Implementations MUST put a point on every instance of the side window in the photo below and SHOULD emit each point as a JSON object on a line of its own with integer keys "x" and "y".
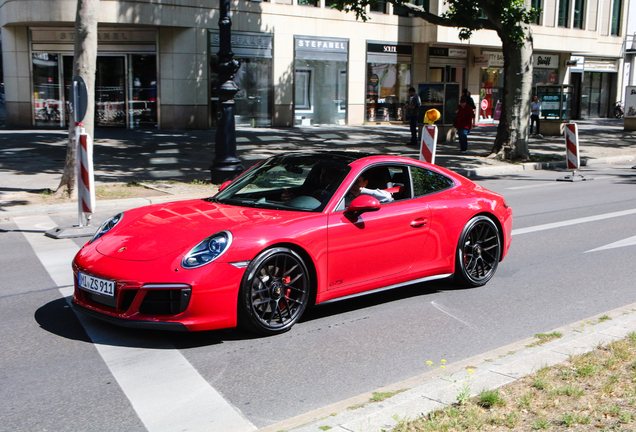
{"x": 387, "y": 183}
{"x": 426, "y": 182}
{"x": 400, "y": 182}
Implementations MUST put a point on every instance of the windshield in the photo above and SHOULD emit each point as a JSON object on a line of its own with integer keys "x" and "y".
{"x": 290, "y": 182}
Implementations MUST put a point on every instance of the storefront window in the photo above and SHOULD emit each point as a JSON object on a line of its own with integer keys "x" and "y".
{"x": 142, "y": 91}
{"x": 447, "y": 74}
{"x": 491, "y": 91}
{"x": 320, "y": 80}
{"x": 544, "y": 76}
{"x": 387, "y": 90}
{"x": 252, "y": 102}
{"x": 110, "y": 90}
{"x": 320, "y": 92}
{"x": 46, "y": 90}
{"x": 595, "y": 94}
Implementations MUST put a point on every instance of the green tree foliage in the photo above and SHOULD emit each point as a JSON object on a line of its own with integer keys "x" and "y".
{"x": 510, "y": 19}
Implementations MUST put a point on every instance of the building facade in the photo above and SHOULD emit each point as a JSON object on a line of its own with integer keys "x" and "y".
{"x": 302, "y": 63}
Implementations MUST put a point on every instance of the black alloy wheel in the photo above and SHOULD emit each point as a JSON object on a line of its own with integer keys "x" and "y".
{"x": 478, "y": 252}
{"x": 274, "y": 292}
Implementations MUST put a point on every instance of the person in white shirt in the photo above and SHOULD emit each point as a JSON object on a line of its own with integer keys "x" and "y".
{"x": 535, "y": 109}
{"x": 360, "y": 188}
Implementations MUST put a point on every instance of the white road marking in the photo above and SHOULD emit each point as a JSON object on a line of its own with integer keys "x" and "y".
{"x": 621, "y": 243}
{"x": 572, "y": 222}
{"x": 439, "y": 308}
{"x": 166, "y": 391}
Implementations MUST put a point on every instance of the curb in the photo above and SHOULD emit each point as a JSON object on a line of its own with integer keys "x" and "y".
{"x": 105, "y": 204}
{"x": 536, "y": 166}
{"x": 433, "y": 390}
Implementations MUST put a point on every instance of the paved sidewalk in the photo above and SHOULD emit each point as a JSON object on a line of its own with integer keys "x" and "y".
{"x": 491, "y": 370}
{"x": 34, "y": 159}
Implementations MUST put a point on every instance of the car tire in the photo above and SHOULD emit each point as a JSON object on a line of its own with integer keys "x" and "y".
{"x": 274, "y": 292}
{"x": 478, "y": 252}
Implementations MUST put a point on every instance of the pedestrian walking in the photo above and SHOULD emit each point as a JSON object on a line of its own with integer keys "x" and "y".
{"x": 535, "y": 109}
{"x": 464, "y": 122}
{"x": 470, "y": 101}
{"x": 412, "y": 112}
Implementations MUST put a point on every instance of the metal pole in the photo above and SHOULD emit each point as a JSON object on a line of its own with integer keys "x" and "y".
{"x": 226, "y": 166}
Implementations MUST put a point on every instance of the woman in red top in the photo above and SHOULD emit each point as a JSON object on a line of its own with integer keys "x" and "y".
{"x": 463, "y": 123}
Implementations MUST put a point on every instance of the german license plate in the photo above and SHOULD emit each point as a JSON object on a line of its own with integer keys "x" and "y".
{"x": 96, "y": 285}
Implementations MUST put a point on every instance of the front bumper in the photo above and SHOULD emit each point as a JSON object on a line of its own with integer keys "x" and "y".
{"x": 189, "y": 300}
{"x": 122, "y": 322}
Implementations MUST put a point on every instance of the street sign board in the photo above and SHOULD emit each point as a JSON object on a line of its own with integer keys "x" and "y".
{"x": 79, "y": 98}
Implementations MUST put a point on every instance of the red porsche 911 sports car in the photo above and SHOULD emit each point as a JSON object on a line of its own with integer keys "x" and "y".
{"x": 295, "y": 230}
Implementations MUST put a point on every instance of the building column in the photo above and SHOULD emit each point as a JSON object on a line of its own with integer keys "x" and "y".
{"x": 17, "y": 81}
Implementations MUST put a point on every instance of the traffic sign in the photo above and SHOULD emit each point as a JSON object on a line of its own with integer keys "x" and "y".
{"x": 79, "y": 98}
{"x": 484, "y": 104}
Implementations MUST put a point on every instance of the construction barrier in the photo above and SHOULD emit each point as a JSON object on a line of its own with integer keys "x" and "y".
{"x": 428, "y": 146}
{"x": 572, "y": 146}
{"x": 85, "y": 176}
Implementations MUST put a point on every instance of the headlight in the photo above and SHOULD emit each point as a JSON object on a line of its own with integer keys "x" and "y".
{"x": 208, "y": 250}
{"x": 107, "y": 226}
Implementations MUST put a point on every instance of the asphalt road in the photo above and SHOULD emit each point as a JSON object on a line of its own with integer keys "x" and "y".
{"x": 572, "y": 253}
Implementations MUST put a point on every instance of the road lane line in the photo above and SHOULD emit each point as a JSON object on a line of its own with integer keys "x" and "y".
{"x": 165, "y": 390}
{"x": 439, "y": 308}
{"x": 631, "y": 241}
{"x": 572, "y": 222}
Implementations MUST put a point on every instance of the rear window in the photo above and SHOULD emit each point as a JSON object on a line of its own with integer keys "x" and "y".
{"x": 427, "y": 182}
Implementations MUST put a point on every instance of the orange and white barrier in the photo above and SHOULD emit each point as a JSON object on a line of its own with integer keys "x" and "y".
{"x": 572, "y": 146}
{"x": 85, "y": 176}
{"x": 428, "y": 146}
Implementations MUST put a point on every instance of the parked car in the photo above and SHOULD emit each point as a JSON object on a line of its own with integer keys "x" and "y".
{"x": 287, "y": 234}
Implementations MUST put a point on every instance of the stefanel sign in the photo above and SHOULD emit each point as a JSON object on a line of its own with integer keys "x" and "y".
{"x": 321, "y": 45}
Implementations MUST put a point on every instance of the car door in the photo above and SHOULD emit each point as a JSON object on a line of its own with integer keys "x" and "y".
{"x": 376, "y": 244}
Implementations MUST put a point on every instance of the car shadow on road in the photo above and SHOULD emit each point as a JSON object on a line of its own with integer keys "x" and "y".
{"x": 58, "y": 318}
{"x": 375, "y": 299}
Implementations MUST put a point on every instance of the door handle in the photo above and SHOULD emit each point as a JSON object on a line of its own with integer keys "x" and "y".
{"x": 419, "y": 222}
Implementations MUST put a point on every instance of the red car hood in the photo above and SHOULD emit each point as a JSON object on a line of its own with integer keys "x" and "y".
{"x": 149, "y": 233}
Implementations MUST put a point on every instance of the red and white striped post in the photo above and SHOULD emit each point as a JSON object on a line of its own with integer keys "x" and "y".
{"x": 428, "y": 146}
{"x": 85, "y": 176}
{"x": 572, "y": 155}
{"x": 572, "y": 146}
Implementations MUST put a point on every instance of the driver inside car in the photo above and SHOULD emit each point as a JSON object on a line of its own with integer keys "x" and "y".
{"x": 360, "y": 188}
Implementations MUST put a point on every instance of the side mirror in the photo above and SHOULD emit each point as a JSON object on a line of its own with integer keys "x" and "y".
{"x": 224, "y": 185}
{"x": 363, "y": 203}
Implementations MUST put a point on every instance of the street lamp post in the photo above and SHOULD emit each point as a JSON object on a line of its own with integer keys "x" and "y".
{"x": 226, "y": 165}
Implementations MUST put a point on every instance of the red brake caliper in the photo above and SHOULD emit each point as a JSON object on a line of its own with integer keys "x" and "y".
{"x": 286, "y": 280}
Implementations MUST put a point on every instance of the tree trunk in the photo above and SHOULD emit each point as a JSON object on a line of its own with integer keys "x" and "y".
{"x": 512, "y": 131}
{"x": 84, "y": 65}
